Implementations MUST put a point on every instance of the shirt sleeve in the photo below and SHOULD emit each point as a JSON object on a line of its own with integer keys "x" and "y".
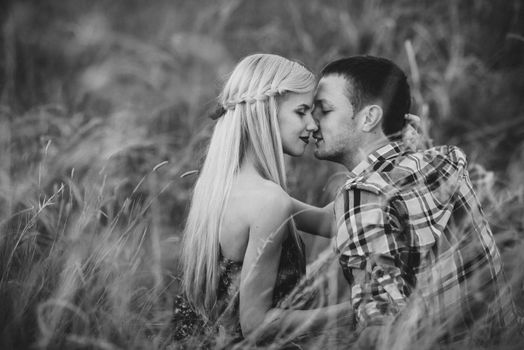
{"x": 368, "y": 241}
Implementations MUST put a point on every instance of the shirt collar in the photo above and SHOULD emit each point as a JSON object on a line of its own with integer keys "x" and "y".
{"x": 382, "y": 153}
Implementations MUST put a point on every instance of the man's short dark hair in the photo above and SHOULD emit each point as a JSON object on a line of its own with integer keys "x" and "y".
{"x": 375, "y": 79}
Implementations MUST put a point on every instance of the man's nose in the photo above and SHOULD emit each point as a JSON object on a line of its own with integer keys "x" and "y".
{"x": 315, "y": 115}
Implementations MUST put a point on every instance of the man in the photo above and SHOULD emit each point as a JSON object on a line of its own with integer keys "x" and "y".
{"x": 410, "y": 231}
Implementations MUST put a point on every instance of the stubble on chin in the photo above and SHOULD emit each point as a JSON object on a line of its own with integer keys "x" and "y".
{"x": 325, "y": 155}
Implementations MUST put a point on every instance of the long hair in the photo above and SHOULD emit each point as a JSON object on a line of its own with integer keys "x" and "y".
{"x": 250, "y": 98}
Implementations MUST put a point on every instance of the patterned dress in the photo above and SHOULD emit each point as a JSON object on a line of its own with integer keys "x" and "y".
{"x": 291, "y": 269}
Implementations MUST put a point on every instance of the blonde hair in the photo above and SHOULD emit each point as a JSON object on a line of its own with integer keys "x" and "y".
{"x": 250, "y": 122}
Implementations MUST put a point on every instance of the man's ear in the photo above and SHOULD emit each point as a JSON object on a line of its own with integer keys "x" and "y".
{"x": 372, "y": 117}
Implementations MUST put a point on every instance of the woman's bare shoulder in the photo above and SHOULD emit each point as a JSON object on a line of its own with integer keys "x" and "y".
{"x": 260, "y": 199}
{"x": 270, "y": 195}
{"x": 257, "y": 209}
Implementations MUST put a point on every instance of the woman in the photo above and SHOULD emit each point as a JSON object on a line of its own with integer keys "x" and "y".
{"x": 242, "y": 255}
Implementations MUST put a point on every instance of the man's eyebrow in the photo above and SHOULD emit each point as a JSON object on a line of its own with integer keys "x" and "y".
{"x": 322, "y": 101}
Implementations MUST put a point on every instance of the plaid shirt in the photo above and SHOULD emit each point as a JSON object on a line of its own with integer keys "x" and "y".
{"x": 409, "y": 223}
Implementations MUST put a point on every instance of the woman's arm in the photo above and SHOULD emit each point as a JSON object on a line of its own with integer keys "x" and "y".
{"x": 314, "y": 220}
{"x": 268, "y": 229}
{"x": 259, "y": 272}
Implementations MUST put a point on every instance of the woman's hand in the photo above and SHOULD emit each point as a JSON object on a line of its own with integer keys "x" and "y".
{"x": 414, "y": 135}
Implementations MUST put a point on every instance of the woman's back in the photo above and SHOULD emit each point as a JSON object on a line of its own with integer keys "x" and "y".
{"x": 249, "y": 199}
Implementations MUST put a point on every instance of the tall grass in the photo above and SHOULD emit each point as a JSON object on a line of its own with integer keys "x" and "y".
{"x": 103, "y": 106}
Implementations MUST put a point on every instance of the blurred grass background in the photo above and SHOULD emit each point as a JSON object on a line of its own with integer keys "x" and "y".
{"x": 103, "y": 106}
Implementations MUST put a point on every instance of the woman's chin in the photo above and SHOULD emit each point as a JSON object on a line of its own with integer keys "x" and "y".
{"x": 297, "y": 152}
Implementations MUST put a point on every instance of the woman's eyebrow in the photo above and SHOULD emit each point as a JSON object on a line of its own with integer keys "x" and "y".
{"x": 304, "y": 106}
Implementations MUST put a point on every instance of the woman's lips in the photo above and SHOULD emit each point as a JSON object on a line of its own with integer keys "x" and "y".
{"x": 305, "y": 139}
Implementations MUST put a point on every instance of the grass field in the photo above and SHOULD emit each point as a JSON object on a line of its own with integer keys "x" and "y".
{"x": 103, "y": 107}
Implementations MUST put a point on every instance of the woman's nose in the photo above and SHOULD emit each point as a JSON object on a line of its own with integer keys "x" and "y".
{"x": 311, "y": 124}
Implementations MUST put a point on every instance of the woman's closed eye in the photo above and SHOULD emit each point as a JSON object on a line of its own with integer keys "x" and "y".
{"x": 302, "y": 112}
